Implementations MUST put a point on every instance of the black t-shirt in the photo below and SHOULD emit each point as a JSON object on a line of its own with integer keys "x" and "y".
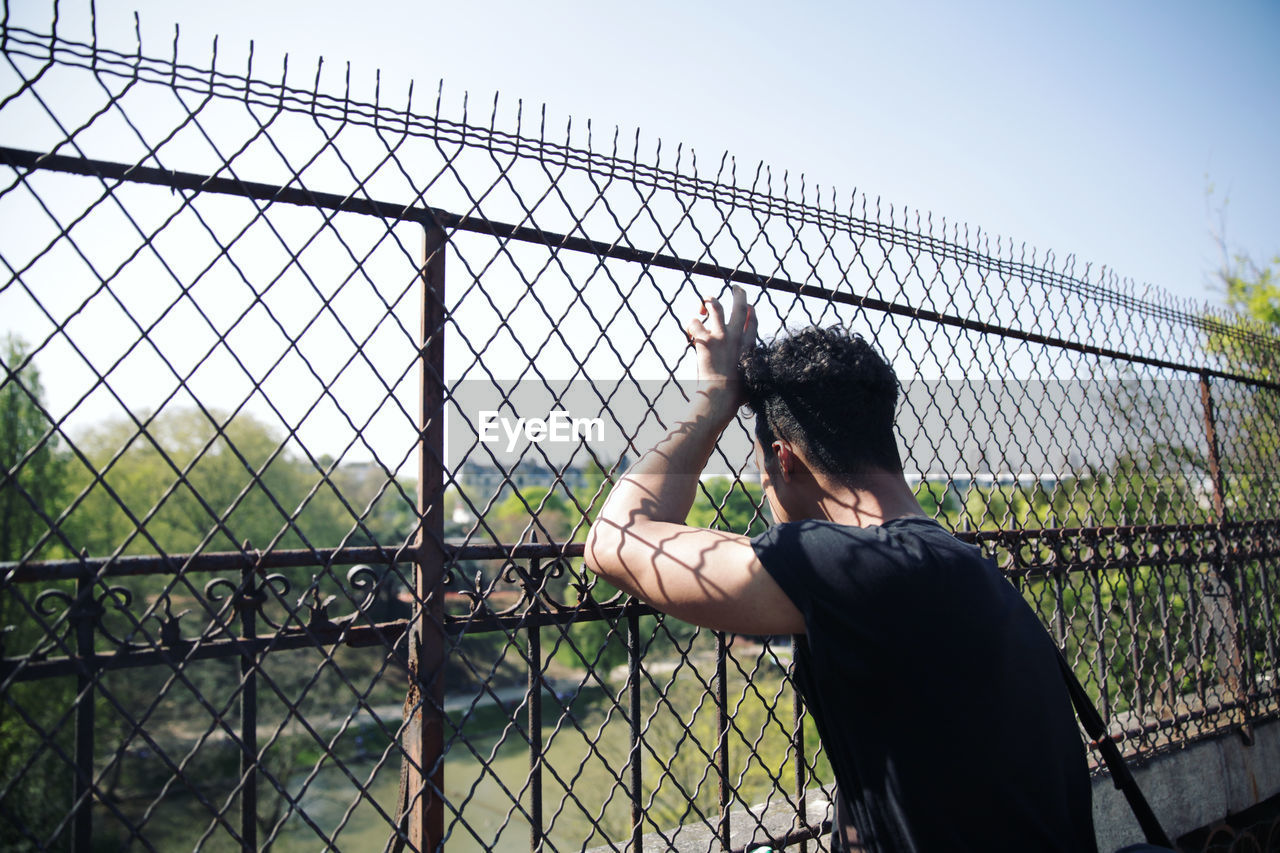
{"x": 934, "y": 688}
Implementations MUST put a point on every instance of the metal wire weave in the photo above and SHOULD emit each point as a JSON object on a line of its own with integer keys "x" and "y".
{"x": 252, "y": 596}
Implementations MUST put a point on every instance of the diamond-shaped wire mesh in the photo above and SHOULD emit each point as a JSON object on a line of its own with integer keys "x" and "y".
{"x": 252, "y": 596}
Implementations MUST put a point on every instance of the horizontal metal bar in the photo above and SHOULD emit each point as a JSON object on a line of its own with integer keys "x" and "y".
{"x": 1046, "y": 570}
{"x": 1137, "y": 537}
{"x": 177, "y": 655}
{"x": 383, "y": 633}
{"x": 55, "y": 570}
{"x": 222, "y": 561}
{"x": 1130, "y": 534}
{"x": 458, "y": 625}
{"x": 1050, "y": 533}
{"x": 795, "y": 836}
{"x": 429, "y": 217}
{"x": 197, "y": 183}
{"x": 1168, "y": 722}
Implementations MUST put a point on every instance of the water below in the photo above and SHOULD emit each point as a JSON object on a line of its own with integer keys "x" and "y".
{"x": 486, "y": 779}
{"x": 584, "y": 774}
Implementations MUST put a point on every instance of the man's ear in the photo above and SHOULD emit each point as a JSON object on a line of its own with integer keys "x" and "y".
{"x": 786, "y": 458}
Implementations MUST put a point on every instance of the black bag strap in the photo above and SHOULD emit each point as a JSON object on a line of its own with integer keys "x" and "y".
{"x": 1120, "y": 774}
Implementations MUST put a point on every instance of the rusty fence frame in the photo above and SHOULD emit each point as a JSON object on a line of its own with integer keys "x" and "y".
{"x": 1241, "y": 688}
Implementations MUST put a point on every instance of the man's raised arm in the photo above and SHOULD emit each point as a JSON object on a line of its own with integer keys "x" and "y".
{"x": 640, "y": 542}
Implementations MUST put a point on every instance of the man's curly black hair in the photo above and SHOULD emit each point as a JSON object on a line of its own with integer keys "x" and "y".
{"x": 829, "y": 392}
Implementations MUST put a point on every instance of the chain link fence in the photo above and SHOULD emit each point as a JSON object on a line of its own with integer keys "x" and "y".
{"x": 272, "y": 576}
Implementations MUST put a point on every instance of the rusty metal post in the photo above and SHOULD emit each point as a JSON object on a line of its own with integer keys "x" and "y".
{"x": 422, "y": 779}
{"x": 85, "y": 613}
{"x": 1168, "y": 687}
{"x": 249, "y": 600}
{"x": 1197, "y": 636}
{"x": 722, "y": 736}
{"x": 1211, "y": 437}
{"x": 1060, "y": 606}
{"x": 534, "y": 700}
{"x": 633, "y": 708}
{"x": 797, "y": 744}
{"x": 1139, "y": 699}
{"x": 1101, "y": 662}
{"x": 1220, "y": 597}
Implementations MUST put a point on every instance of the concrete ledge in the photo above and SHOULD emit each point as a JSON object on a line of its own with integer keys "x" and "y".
{"x": 1193, "y": 787}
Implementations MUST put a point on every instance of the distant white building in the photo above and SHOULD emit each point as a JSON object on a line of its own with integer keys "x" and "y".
{"x": 478, "y": 478}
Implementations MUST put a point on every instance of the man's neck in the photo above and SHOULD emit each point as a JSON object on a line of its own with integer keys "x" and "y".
{"x": 874, "y": 498}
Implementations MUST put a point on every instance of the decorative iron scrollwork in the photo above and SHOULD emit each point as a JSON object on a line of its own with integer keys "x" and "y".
{"x": 475, "y": 592}
{"x": 170, "y": 630}
{"x": 317, "y": 608}
{"x": 360, "y": 578}
{"x": 364, "y": 579}
{"x": 71, "y": 610}
{"x": 43, "y": 602}
{"x": 119, "y": 598}
{"x": 249, "y": 595}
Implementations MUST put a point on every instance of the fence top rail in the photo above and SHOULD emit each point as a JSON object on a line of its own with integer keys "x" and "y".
{"x": 430, "y": 217}
{"x": 911, "y": 230}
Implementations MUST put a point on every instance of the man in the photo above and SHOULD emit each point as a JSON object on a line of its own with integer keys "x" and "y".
{"x": 933, "y": 685}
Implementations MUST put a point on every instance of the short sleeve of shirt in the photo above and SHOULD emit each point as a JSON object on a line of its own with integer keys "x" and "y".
{"x": 781, "y": 553}
{"x": 811, "y": 561}
{"x": 848, "y": 584}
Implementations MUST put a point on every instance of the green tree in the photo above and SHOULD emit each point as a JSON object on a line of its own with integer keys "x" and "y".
{"x": 32, "y": 463}
{"x": 1251, "y": 292}
{"x": 384, "y": 506}
{"x": 529, "y": 511}
{"x": 1248, "y": 341}
{"x": 33, "y": 474}
{"x": 733, "y": 505}
{"x": 1248, "y": 416}
{"x": 939, "y": 500}
{"x": 1000, "y": 506}
{"x": 196, "y": 481}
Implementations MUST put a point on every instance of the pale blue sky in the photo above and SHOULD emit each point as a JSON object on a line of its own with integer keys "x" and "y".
{"x": 1092, "y": 128}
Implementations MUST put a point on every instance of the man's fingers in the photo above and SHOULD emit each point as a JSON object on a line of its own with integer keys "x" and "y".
{"x": 715, "y": 315}
{"x": 694, "y": 330}
{"x": 737, "y": 319}
{"x": 740, "y": 329}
